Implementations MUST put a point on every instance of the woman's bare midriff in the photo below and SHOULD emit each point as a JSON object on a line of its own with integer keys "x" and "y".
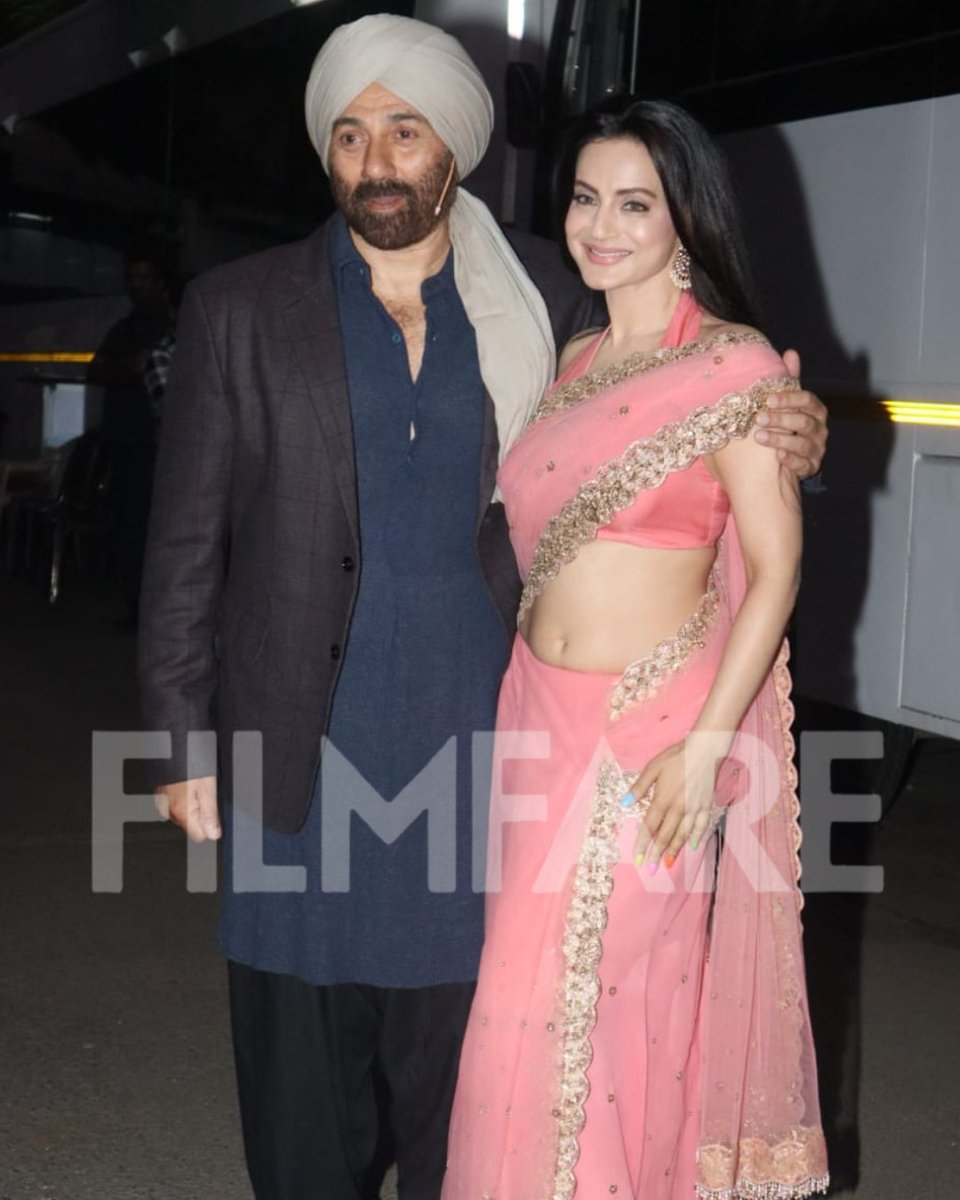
{"x": 614, "y": 603}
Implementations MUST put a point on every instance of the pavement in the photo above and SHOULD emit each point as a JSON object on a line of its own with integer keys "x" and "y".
{"x": 116, "y": 1080}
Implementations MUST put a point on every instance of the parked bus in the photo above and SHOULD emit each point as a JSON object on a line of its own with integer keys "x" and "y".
{"x": 842, "y": 125}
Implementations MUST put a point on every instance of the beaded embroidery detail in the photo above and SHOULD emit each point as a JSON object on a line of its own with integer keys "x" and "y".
{"x": 585, "y": 922}
{"x": 643, "y": 677}
{"x": 570, "y": 394}
{"x": 644, "y": 464}
{"x": 765, "y": 1172}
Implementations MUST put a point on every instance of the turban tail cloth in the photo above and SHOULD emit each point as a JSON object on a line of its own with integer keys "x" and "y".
{"x": 432, "y": 72}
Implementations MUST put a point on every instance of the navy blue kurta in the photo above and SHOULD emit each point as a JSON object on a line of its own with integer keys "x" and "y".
{"x": 422, "y": 666}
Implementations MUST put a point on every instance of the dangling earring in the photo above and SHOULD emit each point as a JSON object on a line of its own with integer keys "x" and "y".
{"x": 680, "y": 271}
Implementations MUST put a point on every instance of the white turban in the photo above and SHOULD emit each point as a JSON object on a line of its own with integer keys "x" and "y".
{"x": 431, "y": 71}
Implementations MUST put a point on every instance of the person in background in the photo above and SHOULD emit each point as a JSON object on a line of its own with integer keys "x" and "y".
{"x": 128, "y": 428}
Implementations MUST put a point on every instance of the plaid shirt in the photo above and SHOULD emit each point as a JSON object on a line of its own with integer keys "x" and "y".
{"x": 156, "y": 371}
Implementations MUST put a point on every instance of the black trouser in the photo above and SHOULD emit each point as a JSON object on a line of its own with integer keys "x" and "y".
{"x": 332, "y": 1079}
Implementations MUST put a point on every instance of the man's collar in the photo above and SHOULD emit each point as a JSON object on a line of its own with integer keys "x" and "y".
{"x": 344, "y": 255}
{"x": 442, "y": 281}
{"x": 343, "y": 252}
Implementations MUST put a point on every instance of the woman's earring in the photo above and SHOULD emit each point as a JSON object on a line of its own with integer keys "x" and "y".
{"x": 680, "y": 271}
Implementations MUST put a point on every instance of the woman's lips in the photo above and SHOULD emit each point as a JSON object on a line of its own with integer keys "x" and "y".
{"x": 605, "y": 258}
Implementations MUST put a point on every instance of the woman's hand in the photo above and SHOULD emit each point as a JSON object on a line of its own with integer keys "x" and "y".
{"x": 673, "y": 796}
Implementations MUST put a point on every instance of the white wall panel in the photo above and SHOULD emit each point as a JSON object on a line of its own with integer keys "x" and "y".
{"x": 940, "y": 367}
{"x": 836, "y": 212}
{"x": 931, "y": 657}
{"x": 853, "y": 217}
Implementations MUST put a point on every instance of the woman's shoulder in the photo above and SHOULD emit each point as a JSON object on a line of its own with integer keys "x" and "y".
{"x": 715, "y": 328}
{"x": 739, "y": 342}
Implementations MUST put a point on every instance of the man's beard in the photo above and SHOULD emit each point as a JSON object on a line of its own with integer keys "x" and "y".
{"x": 412, "y": 222}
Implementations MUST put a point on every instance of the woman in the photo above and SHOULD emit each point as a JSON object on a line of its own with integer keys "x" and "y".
{"x": 660, "y": 550}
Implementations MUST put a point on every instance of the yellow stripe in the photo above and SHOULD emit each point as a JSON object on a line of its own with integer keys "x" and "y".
{"x": 942, "y": 421}
{"x": 48, "y": 356}
{"x": 922, "y": 412}
{"x": 902, "y": 412}
{"x": 920, "y": 407}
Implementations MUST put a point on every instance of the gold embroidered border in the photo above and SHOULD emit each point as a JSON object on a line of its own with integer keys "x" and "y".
{"x": 795, "y": 1167}
{"x": 803, "y": 1156}
{"x": 572, "y": 393}
{"x": 642, "y": 678}
{"x": 791, "y": 1169}
{"x": 585, "y": 922}
{"x": 785, "y": 711}
{"x": 643, "y": 465}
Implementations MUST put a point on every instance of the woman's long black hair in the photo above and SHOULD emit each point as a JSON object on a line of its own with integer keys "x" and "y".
{"x": 698, "y": 191}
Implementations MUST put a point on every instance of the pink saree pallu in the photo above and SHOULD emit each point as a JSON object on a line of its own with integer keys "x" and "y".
{"x": 636, "y": 1035}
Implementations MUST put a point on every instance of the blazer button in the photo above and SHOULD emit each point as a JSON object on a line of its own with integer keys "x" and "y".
{"x": 348, "y": 563}
{"x": 334, "y": 651}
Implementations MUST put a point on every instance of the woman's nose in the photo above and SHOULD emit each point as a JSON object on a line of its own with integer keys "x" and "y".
{"x": 604, "y": 221}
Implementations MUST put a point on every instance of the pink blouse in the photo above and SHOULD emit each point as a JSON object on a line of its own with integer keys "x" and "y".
{"x": 572, "y": 438}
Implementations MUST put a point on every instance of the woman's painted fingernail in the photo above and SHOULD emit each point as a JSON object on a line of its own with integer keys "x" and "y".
{"x": 652, "y": 869}
{"x": 694, "y": 843}
{"x": 627, "y": 799}
{"x": 638, "y": 859}
{"x": 670, "y": 859}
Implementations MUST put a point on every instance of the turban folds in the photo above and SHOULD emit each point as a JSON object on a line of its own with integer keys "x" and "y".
{"x": 429, "y": 70}
{"x": 417, "y": 62}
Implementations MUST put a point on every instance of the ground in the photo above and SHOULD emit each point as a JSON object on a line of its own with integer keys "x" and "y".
{"x": 114, "y": 1045}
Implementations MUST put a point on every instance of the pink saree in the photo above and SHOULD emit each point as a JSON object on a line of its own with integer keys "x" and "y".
{"x": 635, "y": 1035}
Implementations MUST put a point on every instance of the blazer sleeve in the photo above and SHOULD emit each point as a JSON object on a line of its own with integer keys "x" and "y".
{"x": 187, "y": 545}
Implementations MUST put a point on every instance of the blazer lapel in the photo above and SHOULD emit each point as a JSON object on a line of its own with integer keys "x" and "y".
{"x": 313, "y": 325}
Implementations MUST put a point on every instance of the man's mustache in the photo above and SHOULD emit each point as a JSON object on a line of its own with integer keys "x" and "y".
{"x": 381, "y": 191}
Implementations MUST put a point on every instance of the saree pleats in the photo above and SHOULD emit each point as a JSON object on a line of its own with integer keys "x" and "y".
{"x": 580, "y": 1070}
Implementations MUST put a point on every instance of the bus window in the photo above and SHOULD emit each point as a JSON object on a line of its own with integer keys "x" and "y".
{"x": 596, "y": 43}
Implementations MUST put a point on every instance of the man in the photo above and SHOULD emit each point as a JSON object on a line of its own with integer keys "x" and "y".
{"x": 127, "y": 427}
{"x": 326, "y": 559}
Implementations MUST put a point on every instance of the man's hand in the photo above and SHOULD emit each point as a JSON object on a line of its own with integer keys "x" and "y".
{"x": 192, "y": 805}
{"x": 795, "y": 425}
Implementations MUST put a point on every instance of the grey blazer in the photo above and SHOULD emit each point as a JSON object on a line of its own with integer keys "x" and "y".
{"x": 253, "y": 556}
